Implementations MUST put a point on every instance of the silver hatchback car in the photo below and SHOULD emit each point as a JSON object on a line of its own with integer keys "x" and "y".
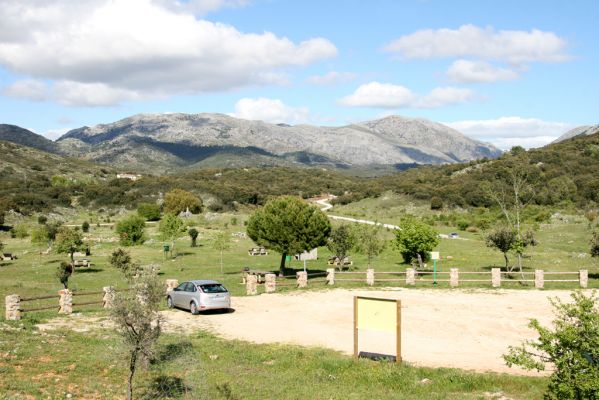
{"x": 199, "y": 295}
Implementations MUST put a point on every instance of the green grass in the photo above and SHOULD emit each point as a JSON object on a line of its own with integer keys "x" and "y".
{"x": 92, "y": 365}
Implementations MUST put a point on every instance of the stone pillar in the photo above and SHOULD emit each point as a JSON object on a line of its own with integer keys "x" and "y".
{"x": 12, "y": 303}
{"x": 495, "y": 277}
{"x": 454, "y": 277}
{"x": 171, "y": 284}
{"x": 370, "y": 276}
{"x": 65, "y": 302}
{"x": 410, "y": 276}
{"x": 251, "y": 285}
{"x": 539, "y": 279}
{"x": 270, "y": 283}
{"x": 302, "y": 279}
{"x": 330, "y": 276}
{"x": 108, "y": 298}
{"x": 583, "y": 277}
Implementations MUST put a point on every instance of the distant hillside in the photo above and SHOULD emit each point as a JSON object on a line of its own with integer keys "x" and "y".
{"x": 578, "y": 131}
{"x": 15, "y": 134}
{"x": 164, "y": 141}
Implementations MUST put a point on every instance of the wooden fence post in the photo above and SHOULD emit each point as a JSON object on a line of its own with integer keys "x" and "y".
{"x": 12, "y": 302}
{"x": 251, "y": 285}
{"x": 302, "y": 279}
{"x": 370, "y": 276}
{"x": 270, "y": 283}
{"x": 410, "y": 276}
{"x": 65, "y": 302}
{"x": 583, "y": 277}
{"x": 330, "y": 276}
{"x": 108, "y": 298}
{"x": 454, "y": 277}
{"x": 539, "y": 278}
{"x": 496, "y": 277}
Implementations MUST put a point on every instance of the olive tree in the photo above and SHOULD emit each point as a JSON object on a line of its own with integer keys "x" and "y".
{"x": 131, "y": 230}
{"x": 121, "y": 260}
{"x": 414, "y": 240}
{"x": 341, "y": 241}
{"x": 289, "y": 225}
{"x": 570, "y": 349}
{"x": 68, "y": 241}
{"x": 64, "y": 272}
{"x": 178, "y": 200}
{"x": 369, "y": 240}
{"x": 171, "y": 227}
{"x": 503, "y": 239}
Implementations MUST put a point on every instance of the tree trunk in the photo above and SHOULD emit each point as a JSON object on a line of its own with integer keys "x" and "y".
{"x": 420, "y": 263}
{"x": 132, "y": 363}
{"x": 282, "y": 266}
{"x": 72, "y": 256}
{"x": 520, "y": 266}
{"x": 506, "y": 262}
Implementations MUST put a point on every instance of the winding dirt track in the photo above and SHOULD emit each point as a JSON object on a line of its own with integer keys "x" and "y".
{"x": 468, "y": 329}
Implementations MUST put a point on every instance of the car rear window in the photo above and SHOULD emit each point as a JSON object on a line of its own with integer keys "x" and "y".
{"x": 213, "y": 288}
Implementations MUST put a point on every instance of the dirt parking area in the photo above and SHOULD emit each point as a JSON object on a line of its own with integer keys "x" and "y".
{"x": 467, "y": 329}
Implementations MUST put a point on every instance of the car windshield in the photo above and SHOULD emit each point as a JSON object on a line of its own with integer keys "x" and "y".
{"x": 213, "y": 288}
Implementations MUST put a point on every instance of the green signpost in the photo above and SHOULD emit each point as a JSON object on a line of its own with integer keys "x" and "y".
{"x": 435, "y": 256}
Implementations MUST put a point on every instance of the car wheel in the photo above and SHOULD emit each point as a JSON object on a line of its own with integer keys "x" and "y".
{"x": 169, "y": 302}
{"x": 193, "y": 307}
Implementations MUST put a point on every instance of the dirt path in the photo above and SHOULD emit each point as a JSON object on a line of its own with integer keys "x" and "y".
{"x": 468, "y": 329}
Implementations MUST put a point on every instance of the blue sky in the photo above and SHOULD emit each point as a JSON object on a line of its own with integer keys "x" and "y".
{"x": 509, "y": 72}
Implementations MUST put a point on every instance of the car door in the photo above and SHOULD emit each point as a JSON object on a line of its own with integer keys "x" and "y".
{"x": 178, "y": 294}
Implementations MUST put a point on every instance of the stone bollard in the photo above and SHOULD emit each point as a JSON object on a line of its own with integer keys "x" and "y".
{"x": 65, "y": 302}
{"x": 495, "y": 277}
{"x": 330, "y": 276}
{"x": 270, "y": 283}
{"x": 370, "y": 276}
{"x": 108, "y": 298}
{"x": 539, "y": 279}
{"x": 171, "y": 284}
{"x": 454, "y": 277}
{"x": 583, "y": 277}
{"x": 13, "y": 307}
{"x": 410, "y": 276}
{"x": 302, "y": 279}
{"x": 251, "y": 285}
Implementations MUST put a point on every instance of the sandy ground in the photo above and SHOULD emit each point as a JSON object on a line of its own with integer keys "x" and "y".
{"x": 467, "y": 329}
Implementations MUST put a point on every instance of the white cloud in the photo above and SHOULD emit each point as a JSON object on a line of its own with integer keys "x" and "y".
{"x": 141, "y": 47}
{"x": 270, "y": 110}
{"x": 465, "y": 71}
{"x": 54, "y": 134}
{"x": 383, "y": 95}
{"x": 201, "y": 7}
{"x": 332, "y": 78}
{"x": 506, "y": 132}
{"x": 387, "y": 95}
{"x": 27, "y": 89}
{"x": 515, "y": 47}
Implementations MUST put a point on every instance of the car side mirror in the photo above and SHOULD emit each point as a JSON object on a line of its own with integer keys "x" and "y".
{"x": 176, "y": 289}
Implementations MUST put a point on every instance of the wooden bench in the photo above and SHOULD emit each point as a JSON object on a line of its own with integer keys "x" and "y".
{"x": 257, "y": 251}
{"x": 8, "y": 257}
{"x": 82, "y": 263}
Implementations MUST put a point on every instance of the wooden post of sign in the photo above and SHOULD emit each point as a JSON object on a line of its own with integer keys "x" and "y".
{"x": 398, "y": 334}
{"x": 356, "y": 326}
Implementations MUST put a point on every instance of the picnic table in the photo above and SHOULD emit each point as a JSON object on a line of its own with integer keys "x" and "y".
{"x": 82, "y": 263}
{"x": 260, "y": 275}
{"x": 8, "y": 257}
{"x": 257, "y": 251}
{"x": 341, "y": 265}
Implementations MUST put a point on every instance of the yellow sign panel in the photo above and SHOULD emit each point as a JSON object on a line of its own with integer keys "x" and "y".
{"x": 377, "y": 314}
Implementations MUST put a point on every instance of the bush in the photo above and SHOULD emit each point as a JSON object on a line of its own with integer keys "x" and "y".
{"x": 463, "y": 225}
{"x": 436, "y": 203}
{"x": 595, "y": 244}
{"x": 85, "y": 226}
{"x": 131, "y": 230}
{"x": 42, "y": 219}
{"x": 19, "y": 231}
{"x": 149, "y": 211}
{"x": 415, "y": 238}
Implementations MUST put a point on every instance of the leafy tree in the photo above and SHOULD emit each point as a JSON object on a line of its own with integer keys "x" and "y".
{"x": 193, "y": 234}
{"x": 503, "y": 239}
{"x": 121, "y": 260}
{"x": 85, "y": 226}
{"x": 415, "y": 239}
{"x": 571, "y": 348}
{"x": 595, "y": 244}
{"x": 138, "y": 322}
{"x": 131, "y": 230}
{"x": 52, "y": 230}
{"x": 288, "y": 225}
{"x": 69, "y": 241}
{"x": 368, "y": 240}
{"x": 150, "y": 211}
{"x": 178, "y": 200}
{"x": 64, "y": 272}
{"x": 341, "y": 241}
{"x": 436, "y": 203}
{"x": 222, "y": 242}
{"x": 171, "y": 227}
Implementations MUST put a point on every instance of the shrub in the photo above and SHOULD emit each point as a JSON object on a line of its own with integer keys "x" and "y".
{"x": 85, "y": 226}
{"x": 595, "y": 244}
{"x": 463, "y": 225}
{"x": 415, "y": 239}
{"x": 42, "y": 219}
{"x": 19, "y": 231}
{"x": 149, "y": 211}
{"x": 131, "y": 230}
{"x": 436, "y": 203}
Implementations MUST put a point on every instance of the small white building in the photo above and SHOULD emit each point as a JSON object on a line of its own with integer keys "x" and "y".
{"x": 131, "y": 177}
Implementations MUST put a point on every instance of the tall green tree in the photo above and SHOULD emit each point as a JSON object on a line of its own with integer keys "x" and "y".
{"x": 178, "y": 200}
{"x": 341, "y": 241}
{"x": 170, "y": 228}
{"x": 289, "y": 225}
{"x": 68, "y": 241}
{"x": 571, "y": 349}
{"x": 503, "y": 239}
{"x": 414, "y": 240}
{"x": 369, "y": 240}
{"x": 131, "y": 230}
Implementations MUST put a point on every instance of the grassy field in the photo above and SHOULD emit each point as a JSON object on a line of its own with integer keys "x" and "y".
{"x": 90, "y": 365}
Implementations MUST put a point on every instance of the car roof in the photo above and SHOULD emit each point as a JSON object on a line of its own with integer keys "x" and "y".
{"x": 204, "y": 282}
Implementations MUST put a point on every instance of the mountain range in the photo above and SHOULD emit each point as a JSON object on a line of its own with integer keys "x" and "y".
{"x": 578, "y": 131}
{"x": 165, "y": 141}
